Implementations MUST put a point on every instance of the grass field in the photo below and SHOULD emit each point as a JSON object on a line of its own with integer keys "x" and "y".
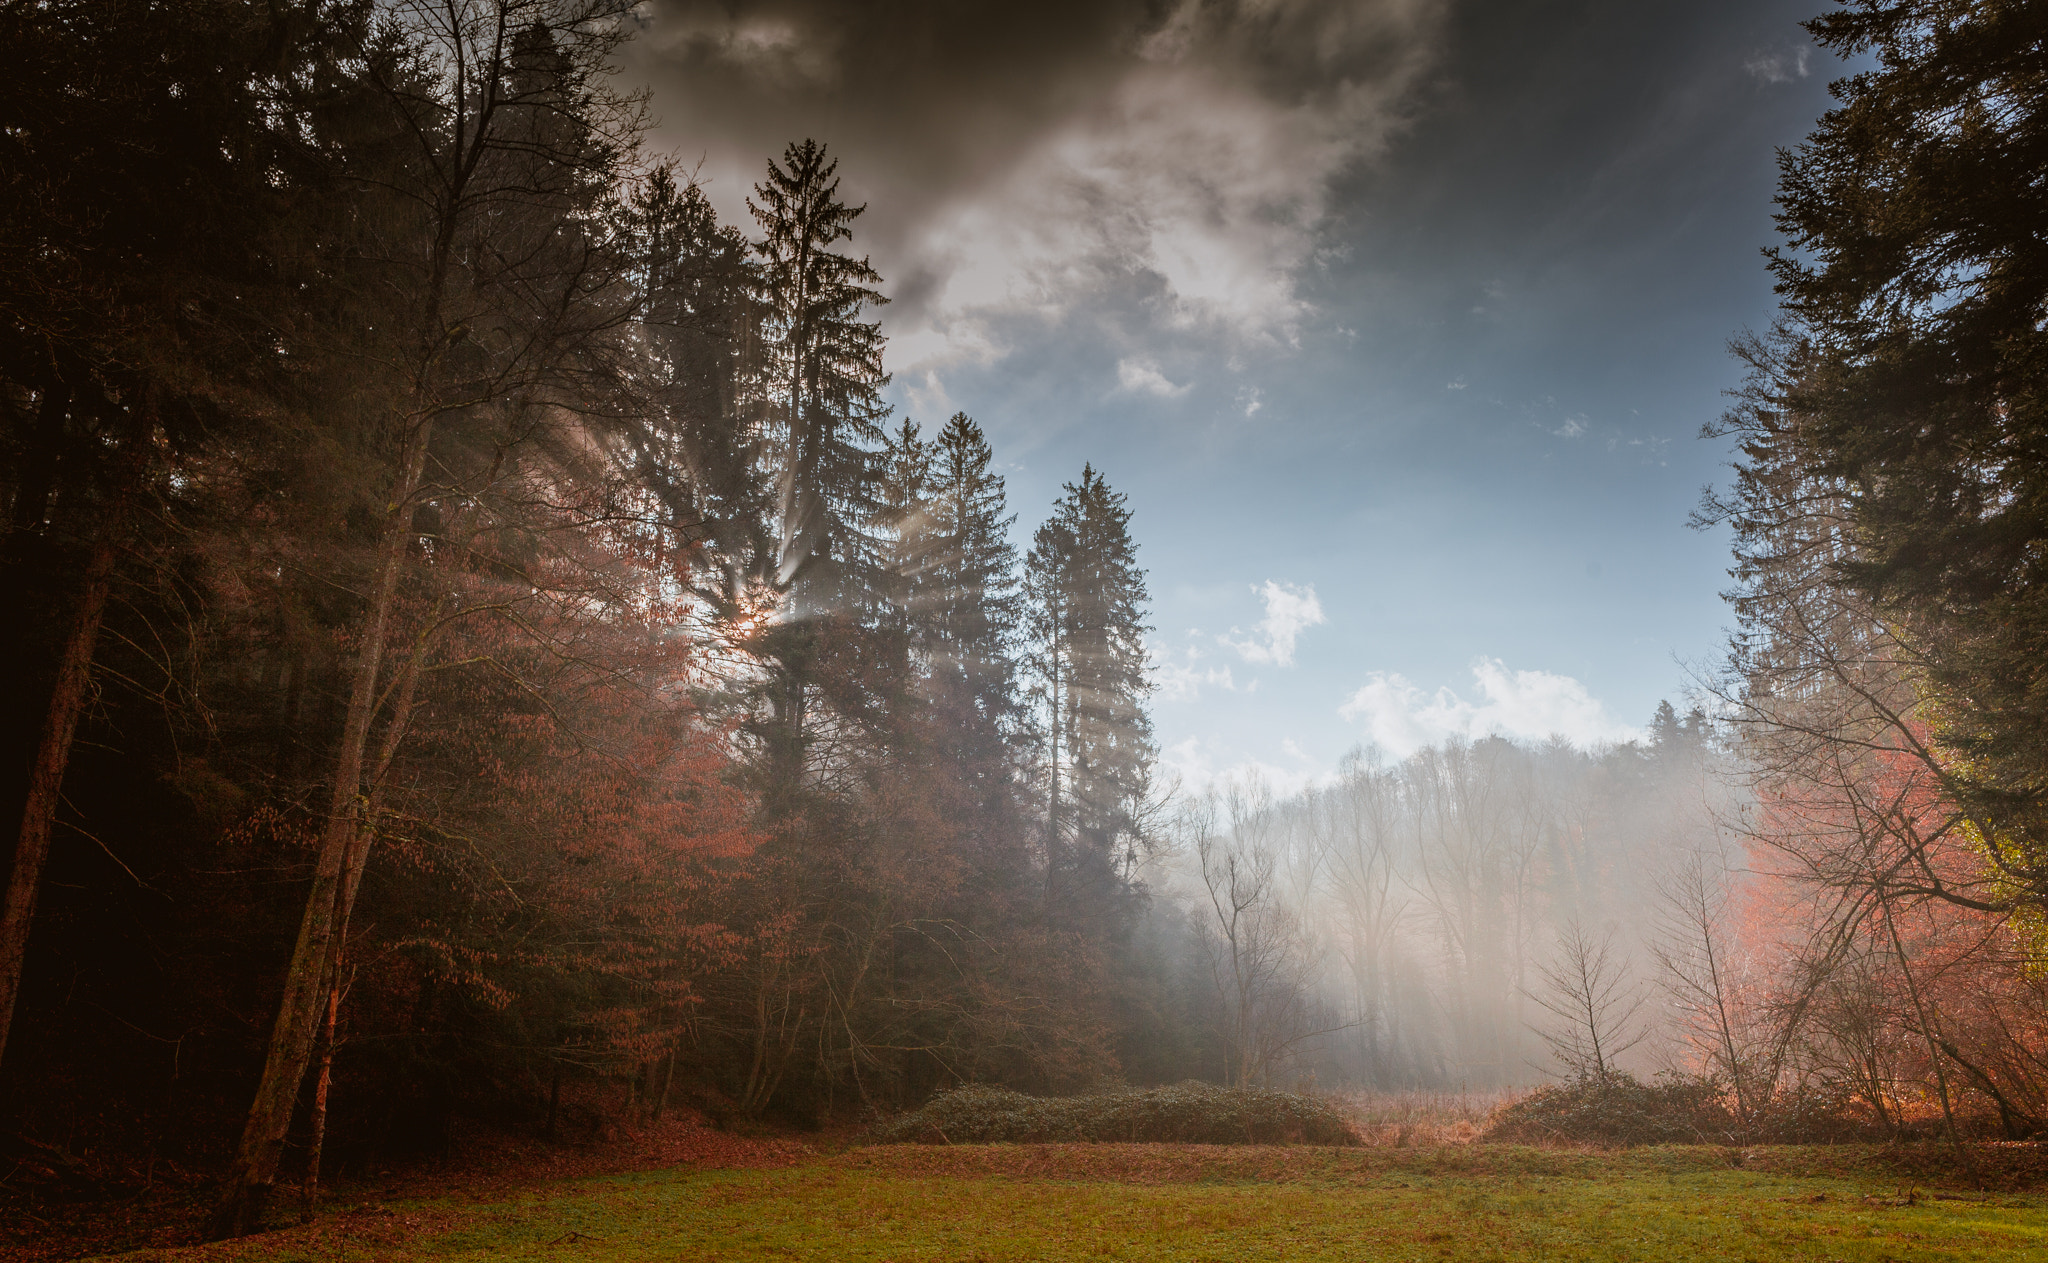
{"x": 1144, "y": 1202}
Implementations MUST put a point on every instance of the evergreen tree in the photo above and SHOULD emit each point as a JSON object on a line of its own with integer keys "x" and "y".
{"x": 698, "y": 447}
{"x": 903, "y": 520}
{"x": 145, "y": 306}
{"x": 824, "y": 381}
{"x": 963, "y": 597}
{"x": 1915, "y": 281}
{"x": 1087, "y": 617}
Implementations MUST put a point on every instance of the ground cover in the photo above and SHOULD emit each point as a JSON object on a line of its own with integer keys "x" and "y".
{"x": 1185, "y": 1113}
{"x": 1195, "y": 1202}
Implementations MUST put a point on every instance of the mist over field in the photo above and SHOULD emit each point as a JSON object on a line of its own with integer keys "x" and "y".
{"x": 1405, "y": 926}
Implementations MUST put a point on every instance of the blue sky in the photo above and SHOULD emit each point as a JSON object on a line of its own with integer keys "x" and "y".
{"x": 1397, "y": 320}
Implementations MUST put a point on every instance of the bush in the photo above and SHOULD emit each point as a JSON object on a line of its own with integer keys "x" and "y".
{"x": 1617, "y": 1109}
{"x": 1187, "y": 1113}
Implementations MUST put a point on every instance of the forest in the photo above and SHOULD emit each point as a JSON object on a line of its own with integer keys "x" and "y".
{"x": 485, "y": 649}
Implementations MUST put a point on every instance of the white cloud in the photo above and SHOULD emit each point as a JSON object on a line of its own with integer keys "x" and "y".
{"x": 1290, "y": 611}
{"x": 1524, "y": 705}
{"x": 1188, "y": 178}
{"x": 1200, "y": 763}
{"x": 1141, "y": 377}
{"x": 1572, "y": 428}
{"x": 1180, "y": 679}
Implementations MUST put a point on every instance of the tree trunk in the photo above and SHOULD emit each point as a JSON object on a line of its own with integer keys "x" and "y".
{"x": 343, "y": 848}
{"x": 310, "y": 1191}
{"x": 668, "y": 1081}
{"x": 46, "y": 774}
{"x": 1052, "y": 805}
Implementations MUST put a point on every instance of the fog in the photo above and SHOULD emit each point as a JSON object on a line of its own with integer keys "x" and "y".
{"x": 1409, "y": 924}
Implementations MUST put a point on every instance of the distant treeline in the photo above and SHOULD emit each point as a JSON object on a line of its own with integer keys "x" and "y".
{"x": 1396, "y": 929}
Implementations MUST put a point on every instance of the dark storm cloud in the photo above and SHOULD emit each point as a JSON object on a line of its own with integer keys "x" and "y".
{"x": 1160, "y": 166}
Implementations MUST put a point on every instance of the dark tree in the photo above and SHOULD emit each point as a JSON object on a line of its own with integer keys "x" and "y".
{"x": 825, "y": 376}
{"x": 1916, "y": 278}
{"x": 962, "y": 592}
{"x": 699, "y": 444}
{"x": 1087, "y": 610}
{"x": 143, "y": 302}
{"x": 822, "y": 380}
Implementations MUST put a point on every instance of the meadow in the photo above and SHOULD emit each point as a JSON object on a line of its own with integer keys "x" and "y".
{"x": 1200, "y": 1202}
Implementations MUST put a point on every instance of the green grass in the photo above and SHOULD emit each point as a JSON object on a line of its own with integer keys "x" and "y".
{"x": 1113, "y": 1202}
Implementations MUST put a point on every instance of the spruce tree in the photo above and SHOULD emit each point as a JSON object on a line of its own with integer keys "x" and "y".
{"x": 1087, "y": 619}
{"x": 903, "y": 520}
{"x": 963, "y": 587}
{"x": 1914, "y": 284}
{"x": 822, "y": 390}
{"x": 825, "y": 378}
{"x": 697, "y": 444}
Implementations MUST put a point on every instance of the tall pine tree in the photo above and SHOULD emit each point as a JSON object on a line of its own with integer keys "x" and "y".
{"x": 1087, "y": 619}
{"x": 825, "y": 378}
{"x": 962, "y": 590}
{"x": 823, "y": 381}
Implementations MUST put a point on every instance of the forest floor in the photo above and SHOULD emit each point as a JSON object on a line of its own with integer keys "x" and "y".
{"x": 710, "y": 1196}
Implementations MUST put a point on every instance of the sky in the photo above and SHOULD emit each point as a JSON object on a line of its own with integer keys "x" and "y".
{"x": 1396, "y": 320}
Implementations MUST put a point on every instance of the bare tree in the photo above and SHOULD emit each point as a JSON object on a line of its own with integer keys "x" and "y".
{"x": 1360, "y": 815}
{"x": 1595, "y": 1002}
{"x": 1260, "y": 963}
{"x": 501, "y": 309}
{"x": 1710, "y": 979}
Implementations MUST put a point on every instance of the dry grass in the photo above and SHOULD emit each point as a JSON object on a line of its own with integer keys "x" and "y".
{"x": 1427, "y": 1119}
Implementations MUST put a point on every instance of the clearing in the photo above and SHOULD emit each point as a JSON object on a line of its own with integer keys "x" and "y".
{"x": 1199, "y": 1202}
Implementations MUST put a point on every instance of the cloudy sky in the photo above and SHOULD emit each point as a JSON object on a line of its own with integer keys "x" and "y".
{"x": 1397, "y": 320}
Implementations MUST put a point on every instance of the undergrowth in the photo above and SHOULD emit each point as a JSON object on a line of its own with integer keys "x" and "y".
{"x": 1620, "y": 1109}
{"x": 1186, "y": 1113}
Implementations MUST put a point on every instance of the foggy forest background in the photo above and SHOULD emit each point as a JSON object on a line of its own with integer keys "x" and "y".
{"x": 485, "y": 650}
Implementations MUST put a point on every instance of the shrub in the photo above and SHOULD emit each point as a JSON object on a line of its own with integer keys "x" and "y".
{"x": 1186, "y": 1113}
{"x": 1617, "y": 1109}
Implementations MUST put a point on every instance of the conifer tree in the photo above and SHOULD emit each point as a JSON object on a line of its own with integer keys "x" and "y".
{"x": 1915, "y": 279}
{"x": 903, "y": 520}
{"x": 143, "y": 308}
{"x": 825, "y": 377}
{"x": 1088, "y": 602}
{"x": 698, "y": 447}
{"x": 966, "y": 609}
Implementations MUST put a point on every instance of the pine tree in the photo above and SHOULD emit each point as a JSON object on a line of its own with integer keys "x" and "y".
{"x": 144, "y": 309}
{"x": 825, "y": 378}
{"x": 903, "y": 521}
{"x": 1915, "y": 279}
{"x": 698, "y": 447}
{"x": 1087, "y": 620}
{"x": 963, "y": 595}
{"x": 822, "y": 382}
